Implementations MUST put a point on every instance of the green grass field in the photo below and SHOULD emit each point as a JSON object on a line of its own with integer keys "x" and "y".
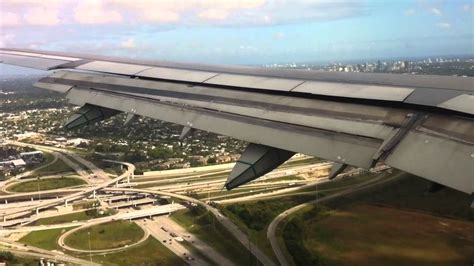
{"x": 255, "y": 216}
{"x": 106, "y": 236}
{"x": 150, "y": 252}
{"x": 372, "y": 235}
{"x": 46, "y": 184}
{"x": 46, "y": 239}
{"x": 77, "y": 216}
{"x": 201, "y": 224}
{"x": 57, "y": 167}
{"x": 410, "y": 192}
{"x": 399, "y": 223}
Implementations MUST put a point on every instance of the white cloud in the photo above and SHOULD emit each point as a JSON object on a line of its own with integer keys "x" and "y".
{"x": 443, "y": 25}
{"x": 128, "y": 44}
{"x": 8, "y": 19}
{"x": 42, "y": 16}
{"x": 6, "y": 40}
{"x": 266, "y": 19}
{"x": 160, "y": 16}
{"x": 167, "y": 11}
{"x": 410, "y": 12}
{"x": 184, "y": 12}
{"x": 436, "y": 11}
{"x": 30, "y": 12}
{"x": 214, "y": 14}
{"x": 94, "y": 12}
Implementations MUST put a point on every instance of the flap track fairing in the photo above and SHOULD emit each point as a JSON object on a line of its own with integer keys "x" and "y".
{"x": 256, "y": 161}
{"x": 87, "y": 115}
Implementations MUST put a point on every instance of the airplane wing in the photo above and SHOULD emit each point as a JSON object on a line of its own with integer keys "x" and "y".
{"x": 421, "y": 124}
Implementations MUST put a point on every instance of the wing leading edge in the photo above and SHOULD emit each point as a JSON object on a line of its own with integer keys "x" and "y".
{"x": 419, "y": 124}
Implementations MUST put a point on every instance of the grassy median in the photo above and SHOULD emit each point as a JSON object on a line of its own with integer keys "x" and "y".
{"x": 77, "y": 216}
{"x": 150, "y": 252}
{"x": 45, "y": 239}
{"x": 106, "y": 236}
{"x": 56, "y": 168}
{"x": 46, "y": 184}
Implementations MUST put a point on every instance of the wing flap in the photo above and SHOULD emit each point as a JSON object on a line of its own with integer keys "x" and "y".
{"x": 296, "y": 111}
{"x": 254, "y": 82}
{"x": 441, "y": 160}
{"x": 31, "y": 62}
{"x": 462, "y": 103}
{"x": 412, "y": 90}
{"x": 374, "y": 92}
{"x": 53, "y": 86}
{"x": 354, "y": 150}
{"x": 374, "y": 122}
{"x": 114, "y": 68}
{"x": 177, "y": 74}
{"x": 40, "y": 55}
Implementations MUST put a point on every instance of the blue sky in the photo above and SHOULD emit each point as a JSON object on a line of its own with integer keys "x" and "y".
{"x": 242, "y": 32}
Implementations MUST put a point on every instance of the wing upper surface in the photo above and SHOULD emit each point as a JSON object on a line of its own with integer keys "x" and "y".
{"x": 350, "y": 118}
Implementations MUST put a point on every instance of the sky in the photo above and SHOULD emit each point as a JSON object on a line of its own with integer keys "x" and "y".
{"x": 242, "y": 32}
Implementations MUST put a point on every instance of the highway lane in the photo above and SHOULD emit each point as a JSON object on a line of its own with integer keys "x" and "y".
{"x": 8, "y": 186}
{"x": 271, "y": 231}
{"x": 283, "y": 191}
{"x": 42, "y": 253}
{"x": 226, "y": 222}
{"x": 174, "y": 246}
{"x": 127, "y": 215}
{"x": 223, "y": 220}
{"x": 78, "y": 195}
{"x": 226, "y": 167}
{"x": 204, "y": 248}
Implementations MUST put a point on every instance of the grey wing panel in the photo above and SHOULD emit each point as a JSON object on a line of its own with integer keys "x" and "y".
{"x": 396, "y": 80}
{"x": 113, "y": 68}
{"x": 254, "y": 82}
{"x": 462, "y": 103}
{"x": 177, "y": 74}
{"x": 412, "y": 90}
{"x": 375, "y": 92}
{"x": 355, "y": 119}
{"x": 441, "y": 160}
{"x": 31, "y": 62}
{"x": 353, "y": 134}
{"x": 331, "y": 145}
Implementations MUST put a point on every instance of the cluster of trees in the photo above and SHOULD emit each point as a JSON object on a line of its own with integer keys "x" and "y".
{"x": 96, "y": 213}
{"x": 203, "y": 216}
{"x": 257, "y": 217}
{"x": 7, "y": 256}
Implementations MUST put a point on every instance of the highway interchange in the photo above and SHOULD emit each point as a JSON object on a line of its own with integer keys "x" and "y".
{"x": 135, "y": 198}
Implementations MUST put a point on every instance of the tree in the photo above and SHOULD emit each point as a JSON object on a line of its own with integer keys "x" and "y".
{"x": 7, "y": 256}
